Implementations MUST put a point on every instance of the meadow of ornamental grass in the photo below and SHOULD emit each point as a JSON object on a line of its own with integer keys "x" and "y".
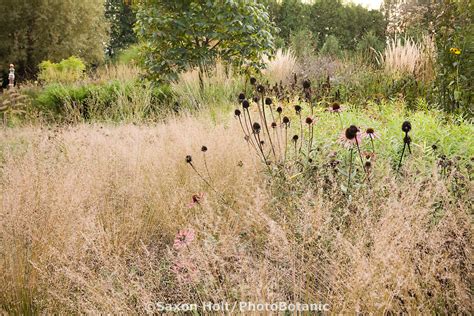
{"x": 90, "y": 214}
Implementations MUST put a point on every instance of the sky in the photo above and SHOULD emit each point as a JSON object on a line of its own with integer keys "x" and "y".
{"x": 371, "y": 4}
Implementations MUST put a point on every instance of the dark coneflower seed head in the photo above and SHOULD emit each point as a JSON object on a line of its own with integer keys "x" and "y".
{"x": 203, "y": 149}
{"x": 253, "y": 81}
{"x": 351, "y": 132}
{"x": 306, "y": 84}
{"x": 309, "y": 121}
{"x": 370, "y": 130}
{"x": 368, "y": 164}
{"x": 286, "y": 120}
{"x": 256, "y": 99}
{"x": 262, "y": 142}
{"x": 406, "y": 126}
{"x": 274, "y": 125}
{"x": 279, "y": 109}
{"x": 268, "y": 101}
{"x": 241, "y": 97}
{"x": 295, "y": 138}
{"x": 335, "y": 106}
{"x": 245, "y": 104}
{"x": 260, "y": 89}
{"x": 256, "y": 128}
{"x": 189, "y": 159}
{"x": 434, "y": 147}
{"x": 310, "y": 160}
{"x": 297, "y": 109}
{"x": 237, "y": 112}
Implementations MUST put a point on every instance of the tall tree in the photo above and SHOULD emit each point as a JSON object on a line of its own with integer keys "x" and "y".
{"x": 121, "y": 17}
{"x": 36, "y": 30}
{"x": 182, "y": 34}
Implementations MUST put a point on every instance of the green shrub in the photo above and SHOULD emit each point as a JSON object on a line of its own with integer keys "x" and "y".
{"x": 303, "y": 43}
{"x": 130, "y": 55}
{"x": 454, "y": 86}
{"x": 112, "y": 101}
{"x": 331, "y": 47}
{"x": 369, "y": 46}
{"x": 67, "y": 71}
{"x": 53, "y": 97}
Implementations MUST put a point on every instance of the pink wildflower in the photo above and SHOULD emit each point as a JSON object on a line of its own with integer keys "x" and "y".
{"x": 370, "y": 133}
{"x": 183, "y": 238}
{"x": 351, "y": 137}
{"x": 336, "y": 108}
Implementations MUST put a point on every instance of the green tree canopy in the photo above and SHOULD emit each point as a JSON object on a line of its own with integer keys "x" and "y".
{"x": 183, "y": 34}
{"x": 347, "y": 22}
{"x": 37, "y": 30}
{"x": 121, "y": 17}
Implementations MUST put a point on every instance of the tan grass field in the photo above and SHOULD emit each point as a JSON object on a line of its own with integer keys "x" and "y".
{"x": 89, "y": 215}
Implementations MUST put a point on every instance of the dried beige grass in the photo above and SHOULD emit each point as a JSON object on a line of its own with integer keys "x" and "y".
{"x": 281, "y": 67}
{"x": 219, "y": 85}
{"x": 405, "y": 56}
{"x": 120, "y": 72}
{"x": 89, "y": 214}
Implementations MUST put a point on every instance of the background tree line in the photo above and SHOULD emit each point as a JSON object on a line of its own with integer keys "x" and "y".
{"x": 323, "y": 18}
{"x": 37, "y": 30}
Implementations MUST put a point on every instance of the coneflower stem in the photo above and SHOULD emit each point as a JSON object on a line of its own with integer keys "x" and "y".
{"x": 246, "y": 125}
{"x": 296, "y": 150}
{"x": 261, "y": 150}
{"x": 271, "y": 112}
{"x": 286, "y": 141}
{"x": 350, "y": 170}
{"x": 202, "y": 178}
{"x": 360, "y": 155}
{"x": 205, "y": 165}
{"x": 401, "y": 157}
{"x": 266, "y": 127}
{"x": 247, "y": 136}
{"x": 373, "y": 145}
{"x": 280, "y": 136}
{"x": 278, "y": 142}
{"x": 301, "y": 131}
{"x": 310, "y": 144}
{"x": 256, "y": 140}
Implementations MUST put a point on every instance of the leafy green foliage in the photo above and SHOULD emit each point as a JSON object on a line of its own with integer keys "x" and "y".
{"x": 130, "y": 55}
{"x": 130, "y": 101}
{"x": 455, "y": 43}
{"x": 37, "y": 30}
{"x": 291, "y": 16}
{"x": 331, "y": 46}
{"x": 67, "y": 71}
{"x": 121, "y": 17}
{"x": 326, "y": 17}
{"x": 303, "y": 43}
{"x": 184, "y": 34}
{"x": 368, "y": 47}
